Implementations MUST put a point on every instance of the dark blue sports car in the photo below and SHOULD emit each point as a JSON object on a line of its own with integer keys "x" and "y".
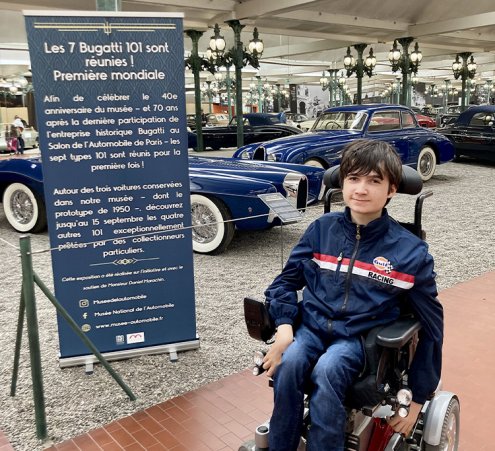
{"x": 473, "y": 133}
{"x": 322, "y": 146}
{"x": 224, "y": 196}
{"x": 258, "y": 127}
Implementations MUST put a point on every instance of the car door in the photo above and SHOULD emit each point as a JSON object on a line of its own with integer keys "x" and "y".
{"x": 385, "y": 125}
{"x": 251, "y": 131}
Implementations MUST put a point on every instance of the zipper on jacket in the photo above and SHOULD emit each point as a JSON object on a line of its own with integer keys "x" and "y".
{"x": 351, "y": 264}
{"x": 339, "y": 262}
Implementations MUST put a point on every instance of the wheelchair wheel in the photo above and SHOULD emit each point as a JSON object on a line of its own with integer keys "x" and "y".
{"x": 449, "y": 439}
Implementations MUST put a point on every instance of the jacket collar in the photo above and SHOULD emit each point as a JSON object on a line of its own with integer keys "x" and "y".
{"x": 375, "y": 229}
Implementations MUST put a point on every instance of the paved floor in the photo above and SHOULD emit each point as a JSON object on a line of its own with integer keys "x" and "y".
{"x": 221, "y": 415}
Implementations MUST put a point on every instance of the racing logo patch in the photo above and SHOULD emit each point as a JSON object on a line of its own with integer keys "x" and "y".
{"x": 382, "y": 264}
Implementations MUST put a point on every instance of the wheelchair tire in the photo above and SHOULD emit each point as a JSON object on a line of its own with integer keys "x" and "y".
{"x": 449, "y": 438}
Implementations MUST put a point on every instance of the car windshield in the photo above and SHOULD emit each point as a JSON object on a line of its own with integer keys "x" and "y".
{"x": 340, "y": 120}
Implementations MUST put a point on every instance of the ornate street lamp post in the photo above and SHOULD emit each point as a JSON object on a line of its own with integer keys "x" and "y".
{"x": 408, "y": 64}
{"x": 209, "y": 91}
{"x": 360, "y": 67}
{"x": 464, "y": 70}
{"x": 239, "y": 58}
{"x": 228, "y": 84}
{"x": 331, "y": 84}
{"x": 278, "y": 93}
{"x": 471, "y": 89}
{"x": 260, "y": 93}
{"x": 446, "y": 96}
{"x": 197, "y": 63}
{"x": 432, "y": 91}
{"x": 267, "y": 96}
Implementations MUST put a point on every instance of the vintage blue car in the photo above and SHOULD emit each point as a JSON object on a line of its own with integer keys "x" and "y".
{"x": 322, "y": 146}
{"x": 473, "y": 133}
{"x": 224, "y": 196}
{"x": 258, "y": 127}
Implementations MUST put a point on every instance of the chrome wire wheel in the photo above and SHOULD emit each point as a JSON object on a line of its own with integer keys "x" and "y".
{"x": 24, "y": 209}
{"x": 205, "y": 228}
{"x": 212, "y": 228}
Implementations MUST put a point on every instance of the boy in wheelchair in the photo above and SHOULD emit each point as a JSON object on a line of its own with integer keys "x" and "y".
{"x": 354, "y": 269}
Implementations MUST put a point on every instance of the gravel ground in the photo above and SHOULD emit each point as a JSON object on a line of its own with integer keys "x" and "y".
{"x": 459, "y": 224}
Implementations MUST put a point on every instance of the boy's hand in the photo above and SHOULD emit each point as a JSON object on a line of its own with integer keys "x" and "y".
{"x": 405, "y": 425}
{"x": 273, "y": 357}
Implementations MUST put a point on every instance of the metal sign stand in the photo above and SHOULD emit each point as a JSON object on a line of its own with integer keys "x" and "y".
{"x": 28, "y": 305}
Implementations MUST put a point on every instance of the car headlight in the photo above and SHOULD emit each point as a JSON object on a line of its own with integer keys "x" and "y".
{"x": 271, "y": 157}
{"x": 244, "y": 156}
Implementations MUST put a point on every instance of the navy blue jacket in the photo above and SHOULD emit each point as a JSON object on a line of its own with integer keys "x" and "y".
{"x": 353, "y": 278}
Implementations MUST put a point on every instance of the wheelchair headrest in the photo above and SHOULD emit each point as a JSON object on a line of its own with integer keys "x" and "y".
{"x": 411, "y": 182}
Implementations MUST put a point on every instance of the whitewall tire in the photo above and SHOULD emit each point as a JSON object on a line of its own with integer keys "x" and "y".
{"x": 211, "y": 234}
{"x": 427, "y": 163}
{"x": 24, "y": 209}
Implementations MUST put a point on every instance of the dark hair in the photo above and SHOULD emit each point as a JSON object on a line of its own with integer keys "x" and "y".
{"x": 362, "y": 156}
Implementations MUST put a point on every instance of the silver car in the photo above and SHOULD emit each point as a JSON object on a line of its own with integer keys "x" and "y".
{"x": 29, "y": 134}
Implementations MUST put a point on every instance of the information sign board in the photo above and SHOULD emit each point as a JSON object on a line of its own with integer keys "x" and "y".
{"x": 110, "y": 102}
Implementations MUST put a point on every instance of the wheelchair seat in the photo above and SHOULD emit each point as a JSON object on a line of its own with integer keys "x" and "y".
{"x": 388, "y": 350}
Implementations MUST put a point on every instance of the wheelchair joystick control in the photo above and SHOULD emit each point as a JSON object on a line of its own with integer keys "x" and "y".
{"x": 404, "y": 399}
{"x": 258, "y": 362}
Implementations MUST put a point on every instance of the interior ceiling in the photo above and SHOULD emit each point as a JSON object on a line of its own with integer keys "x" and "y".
{"x": 303, "y": 37}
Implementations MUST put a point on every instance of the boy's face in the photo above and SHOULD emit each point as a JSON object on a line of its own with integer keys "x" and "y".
{"x": 366, "y": 196}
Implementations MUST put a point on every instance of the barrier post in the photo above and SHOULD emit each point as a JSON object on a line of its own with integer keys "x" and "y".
{"x": 33, "y": 336}
{"x": 18, "y": 341}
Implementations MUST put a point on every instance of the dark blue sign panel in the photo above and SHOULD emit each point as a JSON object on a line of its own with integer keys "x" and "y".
{"x": 110, "y": 101}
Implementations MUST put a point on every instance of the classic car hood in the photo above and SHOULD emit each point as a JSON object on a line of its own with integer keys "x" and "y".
{"x": 231, "y": 165}
{"x": 303, "y": 140}
{"x": 234, "y": 169}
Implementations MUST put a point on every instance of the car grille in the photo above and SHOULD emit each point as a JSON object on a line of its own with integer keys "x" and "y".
{"x": 259, "y": 153}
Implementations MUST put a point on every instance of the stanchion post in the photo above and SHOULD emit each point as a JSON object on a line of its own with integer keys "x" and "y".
{"x": 33, "y": 336}
{"x": 282, "y": 244}
{"x": 18, "y": 341}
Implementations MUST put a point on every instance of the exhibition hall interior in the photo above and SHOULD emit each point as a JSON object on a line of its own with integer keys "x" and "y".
{"x": 160, "y": 159}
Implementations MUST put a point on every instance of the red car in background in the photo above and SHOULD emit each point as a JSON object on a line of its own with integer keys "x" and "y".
{"x": 425, "y": 121}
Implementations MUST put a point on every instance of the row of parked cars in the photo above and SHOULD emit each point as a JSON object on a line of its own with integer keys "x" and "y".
{"x": 277, "y": 158}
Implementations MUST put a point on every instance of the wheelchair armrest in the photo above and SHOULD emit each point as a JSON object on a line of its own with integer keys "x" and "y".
{"x": 259, "y": 324}
{"x": 397, "y": 334}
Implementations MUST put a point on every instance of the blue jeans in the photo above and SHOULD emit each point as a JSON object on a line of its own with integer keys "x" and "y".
{"x": 332, "y": 368}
